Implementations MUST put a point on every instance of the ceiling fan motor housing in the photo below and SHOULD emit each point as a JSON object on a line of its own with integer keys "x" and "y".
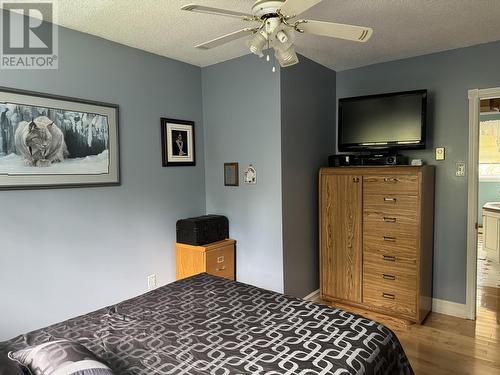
{"x": 261, "y": 8}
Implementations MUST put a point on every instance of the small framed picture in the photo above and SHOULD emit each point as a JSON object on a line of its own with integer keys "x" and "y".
{"x": 231, "y": 174}
{"x": 177, "y": 143}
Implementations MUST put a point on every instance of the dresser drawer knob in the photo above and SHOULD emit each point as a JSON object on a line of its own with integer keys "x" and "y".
{"x": 220, "y": 259}
{"x": 389, "y": 219}
{"x": 355, "y": 179}
{"x": 391, "y": 179}
{"x": 388, "y": 296}
{"x": 387, "y": 199}
{"x": 389, "y": 258}
{"x": 389, "y": 239}
{"x": 388, "y": 277}
{"x": 221, "y": 268}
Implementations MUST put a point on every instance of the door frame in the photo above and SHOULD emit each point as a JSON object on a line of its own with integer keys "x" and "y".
{"x": 475, "y": 97}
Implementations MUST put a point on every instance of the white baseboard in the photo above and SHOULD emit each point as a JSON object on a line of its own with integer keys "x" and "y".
{"x": 312, "y": 296}
{"x": 449, "y": 308}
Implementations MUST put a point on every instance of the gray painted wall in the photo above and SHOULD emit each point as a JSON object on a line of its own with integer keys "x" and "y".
{"x": 241, "y": 112}
{"x": 66, "y": 252}
{"x": 307, "y": 138}
{"x": 448, "y": 76}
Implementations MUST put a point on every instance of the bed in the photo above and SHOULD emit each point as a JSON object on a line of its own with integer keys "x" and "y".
{"x": 208, "y": 325}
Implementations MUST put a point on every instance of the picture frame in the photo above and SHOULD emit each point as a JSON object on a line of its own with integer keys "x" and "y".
{"x": 54, "y": 141}
{"x": 231, "y": 174}
{"x": 177, "y": 143}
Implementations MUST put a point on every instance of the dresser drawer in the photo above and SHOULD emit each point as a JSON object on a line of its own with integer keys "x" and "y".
{"x": 391, "y": 205}
{"x": 391, "y": 258}
{"x": 389, "y": 273}
{"x": 220, "y": 262}
{"x": 394, "y": 225}
{"x": 404, "y": 244}
{"x": 391, "y": 299}
{"x": 397, "y": 184}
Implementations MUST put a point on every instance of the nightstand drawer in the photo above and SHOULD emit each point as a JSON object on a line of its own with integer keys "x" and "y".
{"x": 217, "y": 259}
{"x": 221, "y": 262}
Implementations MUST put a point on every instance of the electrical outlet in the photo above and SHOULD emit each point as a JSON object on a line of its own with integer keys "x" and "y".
{"x": 151, "y": 281}
{"x": 460, "y": 172}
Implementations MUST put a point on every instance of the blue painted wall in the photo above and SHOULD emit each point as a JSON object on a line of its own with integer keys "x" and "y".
{"x": 448, "y": 76}
{"x": 66, "y": 252}
{"x": 241, "y": 111}
{"x": 89, "y": 247}
{"x": 307, "y": 137}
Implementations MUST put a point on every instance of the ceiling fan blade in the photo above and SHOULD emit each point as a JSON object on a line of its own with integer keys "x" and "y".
{"x": 226, "y": 38}
{"x": 336, "y": 30}
{"x": 292, "y": 8}
{"x": 216, "y": 11}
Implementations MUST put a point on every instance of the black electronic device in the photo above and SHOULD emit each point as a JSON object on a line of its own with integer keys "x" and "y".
{"x": 202, "y": 230}
{"x": 366, "y": 160}
{"x": 383, "y": 123}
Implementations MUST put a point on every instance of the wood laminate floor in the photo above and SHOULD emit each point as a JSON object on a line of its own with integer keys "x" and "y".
{"x": 445, "y": 345}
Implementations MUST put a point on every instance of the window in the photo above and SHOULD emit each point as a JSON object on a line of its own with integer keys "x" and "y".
{"x": 489, "y": 149}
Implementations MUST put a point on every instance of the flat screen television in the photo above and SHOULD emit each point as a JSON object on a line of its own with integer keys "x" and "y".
{"x": 383, "y": 122}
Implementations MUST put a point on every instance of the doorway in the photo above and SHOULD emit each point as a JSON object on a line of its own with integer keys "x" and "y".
{"x": 483, "y": 248}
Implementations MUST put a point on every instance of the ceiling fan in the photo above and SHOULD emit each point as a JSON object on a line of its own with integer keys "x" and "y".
{"x": 276, "y": 27}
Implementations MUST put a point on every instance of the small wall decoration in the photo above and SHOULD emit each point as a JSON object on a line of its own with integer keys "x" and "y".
{"x": 54, "y": 141}
{"x": 177, "y": 142}
{"x": 250, "y": 175}
{"x": 231, "y": 174}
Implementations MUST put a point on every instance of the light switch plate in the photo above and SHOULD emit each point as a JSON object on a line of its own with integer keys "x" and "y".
{"x": 440, "y": 153}
{"x": 460, "y": 172}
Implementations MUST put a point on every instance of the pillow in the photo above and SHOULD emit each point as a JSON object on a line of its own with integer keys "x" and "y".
{"x": 9, "y": 367}
{"x": 61, "y": 357}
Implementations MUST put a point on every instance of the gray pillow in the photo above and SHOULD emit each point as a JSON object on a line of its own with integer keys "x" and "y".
{"x": 9, "y": 367}
{"x": 60, "y": 357}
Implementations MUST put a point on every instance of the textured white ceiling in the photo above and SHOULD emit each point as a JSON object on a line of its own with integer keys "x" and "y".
{"x": 402, "y": 28}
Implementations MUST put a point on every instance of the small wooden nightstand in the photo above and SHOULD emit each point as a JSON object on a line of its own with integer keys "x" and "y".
{"x": 217, "y": 259}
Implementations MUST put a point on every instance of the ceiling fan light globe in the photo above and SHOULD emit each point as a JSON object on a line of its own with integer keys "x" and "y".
{"x": 282, "y": 37}
{"x": 257, "y": 43}
{"x": 256, "y": 52}
{"x": 286, "y": 57}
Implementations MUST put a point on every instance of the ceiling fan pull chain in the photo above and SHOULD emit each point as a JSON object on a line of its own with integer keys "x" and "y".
{"x": 274, "y": 63}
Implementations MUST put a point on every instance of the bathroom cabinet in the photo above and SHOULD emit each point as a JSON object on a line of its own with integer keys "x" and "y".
{"x": 491, "y": 229}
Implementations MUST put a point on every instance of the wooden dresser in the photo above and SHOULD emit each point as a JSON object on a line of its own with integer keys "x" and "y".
{"x": 376, "y": 238}
{"x": 217, "y": 259}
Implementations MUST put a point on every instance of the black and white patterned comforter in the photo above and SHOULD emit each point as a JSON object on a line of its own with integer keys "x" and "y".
{"x": 208, "y": 325}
